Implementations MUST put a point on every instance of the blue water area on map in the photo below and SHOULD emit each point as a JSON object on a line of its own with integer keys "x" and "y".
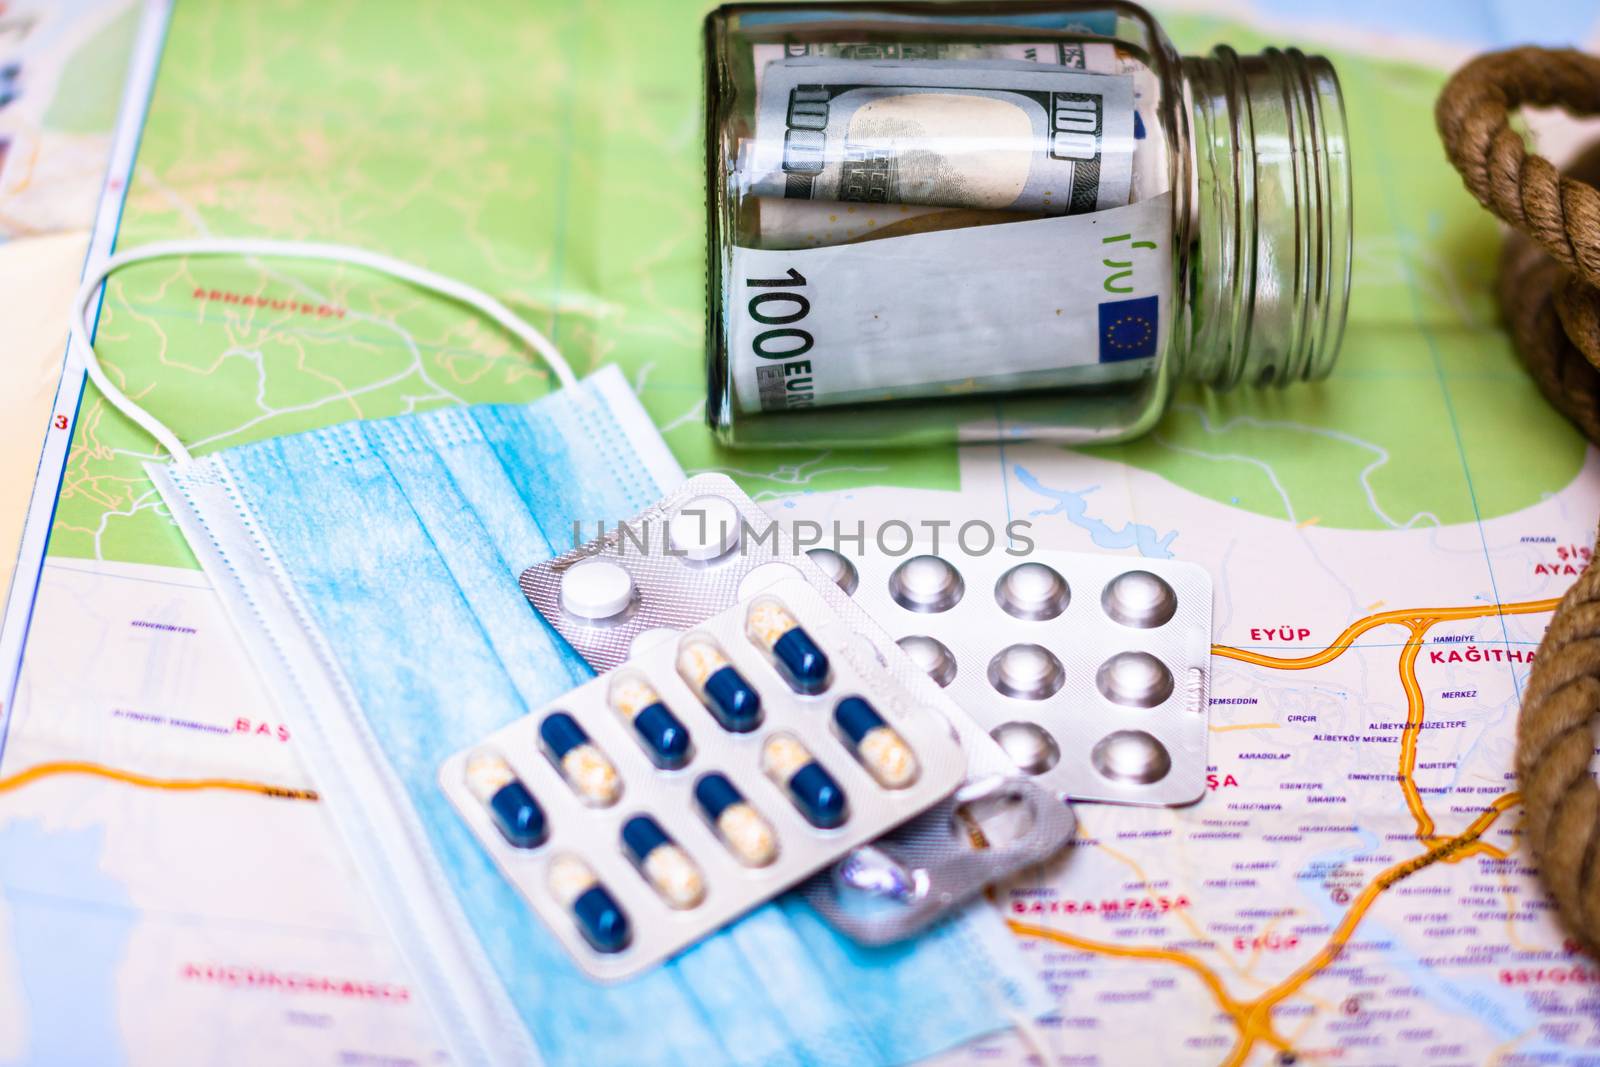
{"x": 1481, "y": 999}
{"x": 1483, "y": 24}
{"x": 69, "y": 927}
{"x": 1075, "y": 506}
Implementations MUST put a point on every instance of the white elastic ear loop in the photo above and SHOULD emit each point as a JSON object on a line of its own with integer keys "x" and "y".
{"x": 421, "y": 277}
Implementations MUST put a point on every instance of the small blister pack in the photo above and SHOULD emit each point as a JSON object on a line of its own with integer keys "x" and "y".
{"x": 1090, "y": 671}
{"x": 711, "y": 771}
{"x": 707, "y": 546}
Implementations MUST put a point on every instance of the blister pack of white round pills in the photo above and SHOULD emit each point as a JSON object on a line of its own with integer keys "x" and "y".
{"x": 708, "y": 773}
{"x": 703, "y": 548}
{"x": 1090, "y": 671}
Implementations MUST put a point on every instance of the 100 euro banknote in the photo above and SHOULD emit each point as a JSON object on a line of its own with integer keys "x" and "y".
{"x": 1054, "y": 302}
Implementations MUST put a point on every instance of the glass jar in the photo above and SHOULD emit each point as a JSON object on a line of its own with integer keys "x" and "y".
{"x": 985, "y": 221}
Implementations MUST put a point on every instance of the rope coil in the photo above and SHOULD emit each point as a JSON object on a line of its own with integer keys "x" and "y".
{"x": 1549, "y": 294}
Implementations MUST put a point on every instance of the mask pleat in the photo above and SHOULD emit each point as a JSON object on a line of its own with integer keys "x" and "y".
{"x": 486, "y": 488}
{"x": 559, "y": 484}
{"x": 383, "y": 596}
{"x": 527, "y": 651}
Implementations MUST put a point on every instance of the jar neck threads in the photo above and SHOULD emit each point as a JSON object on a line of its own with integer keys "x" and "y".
{"x": 1270, "y": 223}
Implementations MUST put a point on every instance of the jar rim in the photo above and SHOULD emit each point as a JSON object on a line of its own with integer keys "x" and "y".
{"x": 1272, "y": 218}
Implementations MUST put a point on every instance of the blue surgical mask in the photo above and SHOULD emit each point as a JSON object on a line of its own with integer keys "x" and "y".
{"x": 371, "y": 568}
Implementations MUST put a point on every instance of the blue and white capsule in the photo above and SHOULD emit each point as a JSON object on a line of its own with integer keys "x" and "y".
{"x": 600, "y": 919}
{"x": 589, "y": 772}
{"x": 775, "y": 631}
{"x": 666, "y": 740}
{"x": 671, "y": 873}
{"x": 517, "y": 815}
{"x": 722, "y": 689}
{"x": 744, "y": 830}
{"x": 810, "y": 787}
{"x": 877, "y": 745}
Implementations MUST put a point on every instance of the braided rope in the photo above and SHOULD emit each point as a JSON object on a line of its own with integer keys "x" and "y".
{"x": 1549, "y": 293}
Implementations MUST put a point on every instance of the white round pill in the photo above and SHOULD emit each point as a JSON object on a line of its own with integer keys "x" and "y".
{"x": 926, "y": 584}
{"x": 1131, "y": 756}
{"x": 1029, "y": 746}
{"x": 596, "y": 589}
{"x": 1134, "y": 679}
{"x": 705, "y": 528}
{"x": 1030, "y": 672}
{"x": 1139, "y": 598}
{"x": 836, "y": 567}
{"x": 932, "y": 655}
{"x": 1032, "y": 591}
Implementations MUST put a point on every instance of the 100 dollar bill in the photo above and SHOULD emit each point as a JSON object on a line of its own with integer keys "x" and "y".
{"x": 992, "y": 135}
{"x": 1051, "y": 302}
{"x": 1098, "y": 57}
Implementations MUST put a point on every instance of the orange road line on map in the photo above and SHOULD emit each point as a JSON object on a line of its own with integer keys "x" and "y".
{"x": 1183, "y": 915}
{"x": 1404, "y": 616}
{"x": 1254, "y": 1018}
{"x": 1412, "y": 731}
{"x": 1509, "y": 892}
{"x": 1207, "y": 976}
{"x": 36, "y": 146}
{"x": 145, "y": 781}
{"x": 1246, "y": 726}
{"x": 1258, "y": 1019}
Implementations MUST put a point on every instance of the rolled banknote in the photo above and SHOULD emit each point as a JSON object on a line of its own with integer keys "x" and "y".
{"x": 799, "y": 228}
{"x": 781, "y": 223}
{"x": 993, "y": 135}
{"x": 1097, "y": 57}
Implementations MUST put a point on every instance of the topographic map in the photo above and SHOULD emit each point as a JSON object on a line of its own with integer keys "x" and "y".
{"x": 1387, "y": 548}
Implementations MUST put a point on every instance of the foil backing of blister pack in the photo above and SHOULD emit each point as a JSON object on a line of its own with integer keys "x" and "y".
{"x": 594, "y": 833}
{"x": 927, "y": 867}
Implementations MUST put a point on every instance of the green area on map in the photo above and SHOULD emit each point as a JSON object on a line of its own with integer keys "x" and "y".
{"x": 553, "y": 158}
{"x": 89, "y": 95}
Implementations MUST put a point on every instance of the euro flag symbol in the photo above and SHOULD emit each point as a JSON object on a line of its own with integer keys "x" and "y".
{"x": 1128, "y": 329}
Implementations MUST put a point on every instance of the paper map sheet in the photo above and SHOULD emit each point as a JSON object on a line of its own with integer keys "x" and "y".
{"x": 1387, "y": 548}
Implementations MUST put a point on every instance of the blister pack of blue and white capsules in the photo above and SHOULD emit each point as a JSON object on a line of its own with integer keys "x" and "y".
{"x": 708, "y": 546}
{"x": 704, "y": 776}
